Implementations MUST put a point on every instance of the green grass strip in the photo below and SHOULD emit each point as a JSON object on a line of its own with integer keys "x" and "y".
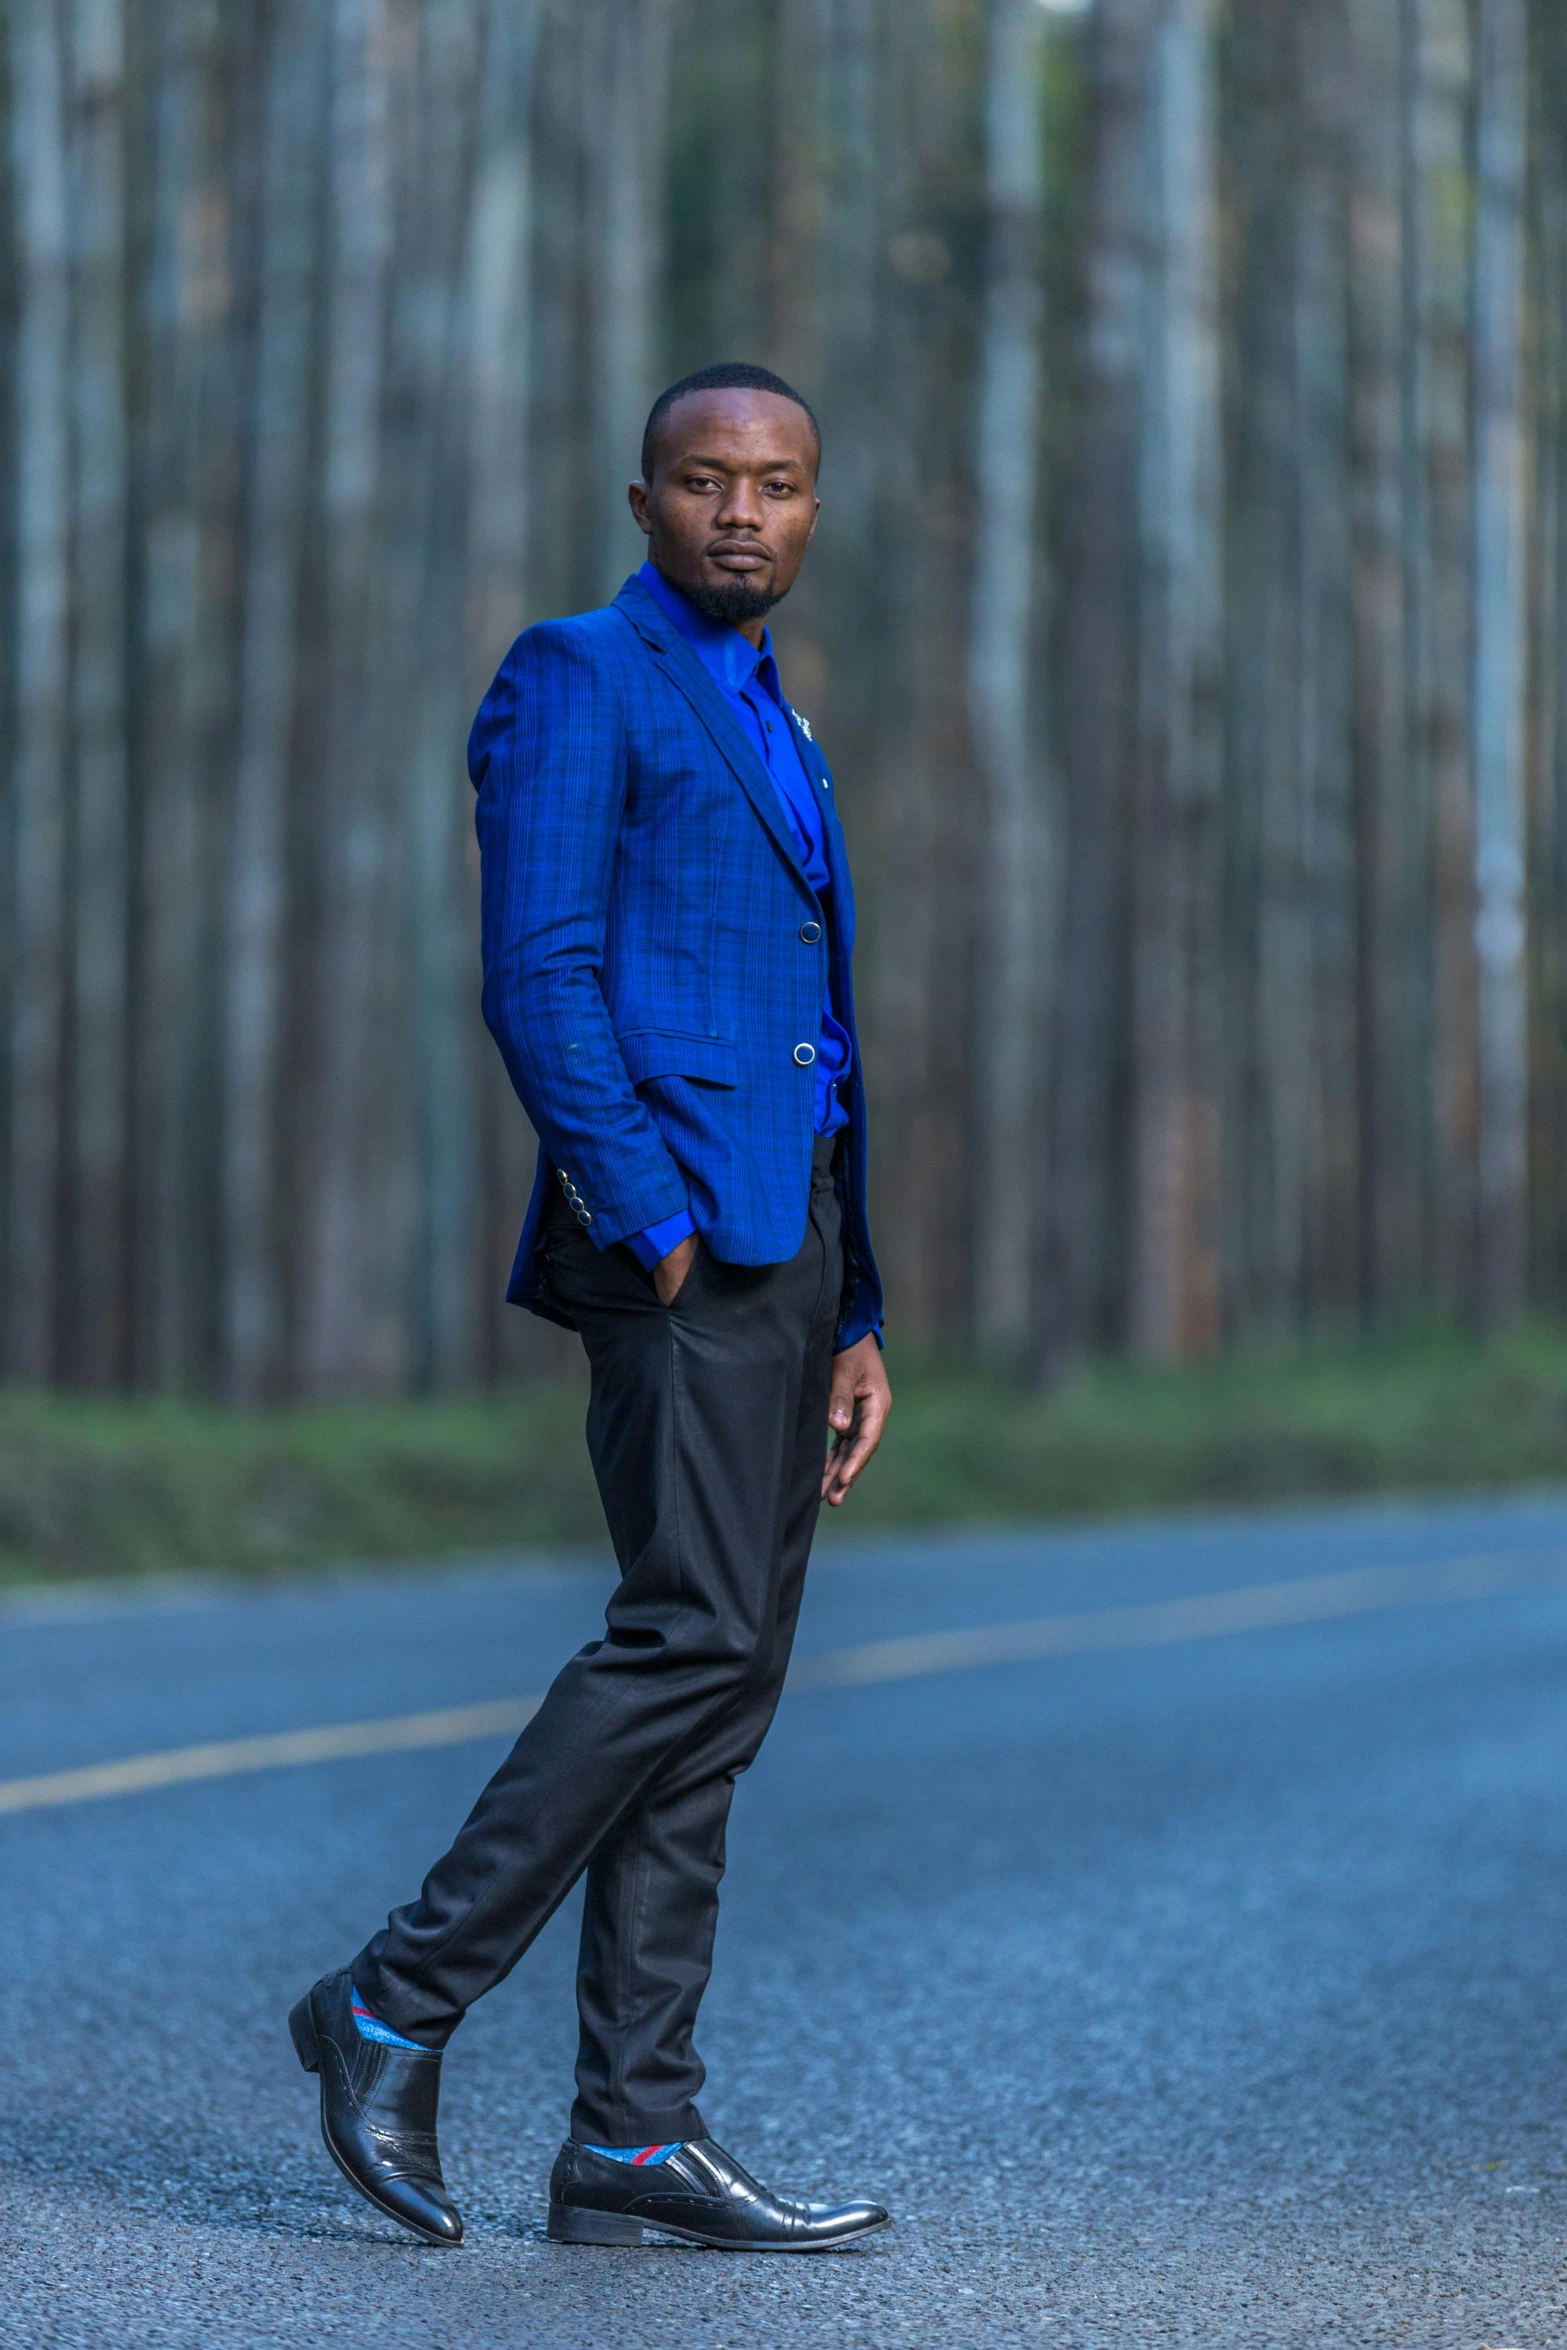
{"x": 93, "y": 1487}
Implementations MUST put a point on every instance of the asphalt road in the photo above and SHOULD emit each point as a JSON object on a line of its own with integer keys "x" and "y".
{"x": 1187, "y": 1985}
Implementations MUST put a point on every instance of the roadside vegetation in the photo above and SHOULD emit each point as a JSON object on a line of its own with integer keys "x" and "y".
{"x": 93, "y": 1487}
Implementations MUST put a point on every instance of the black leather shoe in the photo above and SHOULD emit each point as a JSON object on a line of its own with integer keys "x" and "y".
{"x": 699, "y": 2194}
{"x": 377, "y": 2112}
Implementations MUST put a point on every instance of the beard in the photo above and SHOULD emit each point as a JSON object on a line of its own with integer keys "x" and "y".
{"x": 734, "y": 603}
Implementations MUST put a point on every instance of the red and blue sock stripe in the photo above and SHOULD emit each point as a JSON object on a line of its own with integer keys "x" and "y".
{"x": 638, "y": 2156}
{"x": 371, "y": 2027}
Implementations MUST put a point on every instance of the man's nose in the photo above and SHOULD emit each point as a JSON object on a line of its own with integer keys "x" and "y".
{"x": 742, "y": 507}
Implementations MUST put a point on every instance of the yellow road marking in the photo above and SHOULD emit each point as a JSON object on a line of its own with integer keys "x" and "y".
{"x": 225, "y": 1758}
{"x": 1257, "y": 1607}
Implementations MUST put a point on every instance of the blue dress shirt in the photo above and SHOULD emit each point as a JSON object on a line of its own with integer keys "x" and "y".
{"x": 748, "y": 680}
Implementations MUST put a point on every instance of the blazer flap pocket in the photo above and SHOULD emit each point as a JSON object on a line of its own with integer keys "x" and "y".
{"x": 667, "y": 1052}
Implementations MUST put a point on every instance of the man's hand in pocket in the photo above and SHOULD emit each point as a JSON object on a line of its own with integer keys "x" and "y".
{"x": 670, "y": 1272}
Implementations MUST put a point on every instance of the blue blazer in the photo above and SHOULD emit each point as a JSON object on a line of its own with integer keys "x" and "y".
{"x": 653, "y": 953}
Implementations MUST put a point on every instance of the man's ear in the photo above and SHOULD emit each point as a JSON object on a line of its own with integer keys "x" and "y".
{"x": 636, "y": 499}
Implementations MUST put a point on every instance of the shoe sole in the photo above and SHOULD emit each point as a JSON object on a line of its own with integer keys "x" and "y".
{"x": 307, "y": 2047}
{"x": 571, "y": 2223}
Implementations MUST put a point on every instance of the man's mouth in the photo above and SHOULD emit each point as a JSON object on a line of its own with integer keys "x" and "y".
{"x": 739, "y": 558}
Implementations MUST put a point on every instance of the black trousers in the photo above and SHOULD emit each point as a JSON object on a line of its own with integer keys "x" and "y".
{"x": 708, "y": 1430}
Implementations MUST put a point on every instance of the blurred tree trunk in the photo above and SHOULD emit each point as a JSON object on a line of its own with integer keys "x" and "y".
{"x": 795, "y": 230}
{"x": 37, "y": 910}
{"x": 95, "y": 1233}
{"x": 167, "y": 596}
{"x": 900, "y": 649}
{"x": 865, "y": 730}
{"x": 186, "y": 459}
{"x": 1323, "y": 661}
{"x": 929, "y": 798}
{"x": 800, "y": 144}
{"x": 255, "y": 991}
{"x": 843, "y": 556}
{"x": 1008, "y": 714}
{"x": 1267, "y": 1097}
{"x": 429, "y": 623}
{"x": 1086, "y": 1289}
{"x": 500, "y": 301}
{"x": 1437, "y": 589}
{"x": 1392, "y": 849}
{"x": 721, "y": 168}
{"x": 1175, "y": 1156}
{"x": 1499, "y": 641}
{"x": 352, "y": 832}
{"x": 627, "y": 95}
{"x": 1546, "y": 936}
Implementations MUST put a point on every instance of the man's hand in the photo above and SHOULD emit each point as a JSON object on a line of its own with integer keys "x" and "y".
{"x": 670, "y": 1272}
{"x": 857, "y": 1414}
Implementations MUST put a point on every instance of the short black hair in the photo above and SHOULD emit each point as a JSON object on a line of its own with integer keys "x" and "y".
{"x": 731, "y": 375}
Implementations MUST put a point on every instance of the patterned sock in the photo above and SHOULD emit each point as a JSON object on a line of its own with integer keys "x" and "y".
{"x": 372, "y": 2028}
{"x": 652, "y": 2156}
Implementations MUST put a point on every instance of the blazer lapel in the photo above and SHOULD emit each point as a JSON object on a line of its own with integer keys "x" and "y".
{"x": 686, "y": 673}
{"x": 837, "y": 847}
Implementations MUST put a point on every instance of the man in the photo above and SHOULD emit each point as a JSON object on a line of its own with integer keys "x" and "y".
{"x": 667, "y": 931}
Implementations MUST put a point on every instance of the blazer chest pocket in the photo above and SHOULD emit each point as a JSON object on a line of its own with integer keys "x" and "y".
{"x": 668, "y": 1052}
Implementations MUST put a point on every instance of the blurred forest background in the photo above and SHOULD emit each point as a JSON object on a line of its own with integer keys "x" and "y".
{"x": 1184, "y": 628}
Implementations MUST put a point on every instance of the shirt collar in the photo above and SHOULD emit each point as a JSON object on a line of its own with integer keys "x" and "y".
{"x": 730, "y": 659}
